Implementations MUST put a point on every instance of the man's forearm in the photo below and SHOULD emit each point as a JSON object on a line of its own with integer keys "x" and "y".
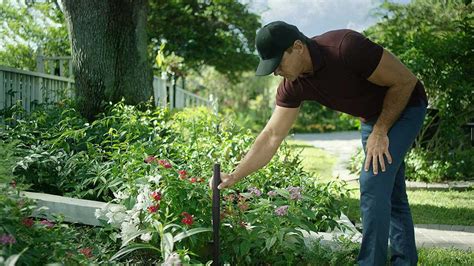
{"x": 261, "y": 152}
{"x": 395, "y": 101}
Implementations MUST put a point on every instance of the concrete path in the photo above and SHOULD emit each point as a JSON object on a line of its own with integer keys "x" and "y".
{"x": 342, "y": 144}
{"x": 444, "y": 236}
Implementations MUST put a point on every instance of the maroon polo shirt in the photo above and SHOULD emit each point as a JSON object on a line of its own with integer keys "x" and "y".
{"x": 342, "y": 62}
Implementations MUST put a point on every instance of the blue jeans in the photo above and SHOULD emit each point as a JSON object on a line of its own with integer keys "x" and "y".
{"x": 383, "y": 199}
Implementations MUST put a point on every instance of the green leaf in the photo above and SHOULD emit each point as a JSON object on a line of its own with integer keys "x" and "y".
{"x": 309, "y": 213}
{"x": 191, "y": 232}
{"x": 270, "y": 242}
{"x": 11, "y": 261}
{"x": 131, "y": 248}
{"x": 244, "y": 247}
{"x": 167, "y": 245}
{"x": 134, "y": 235}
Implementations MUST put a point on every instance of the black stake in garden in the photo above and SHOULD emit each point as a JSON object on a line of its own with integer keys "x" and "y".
{"x": 216, "y": 217}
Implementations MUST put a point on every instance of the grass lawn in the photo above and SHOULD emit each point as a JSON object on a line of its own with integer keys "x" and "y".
{"x": 430, "y": 207}
{"x": 315, "y": 161}
{"x": 443, "y": 256}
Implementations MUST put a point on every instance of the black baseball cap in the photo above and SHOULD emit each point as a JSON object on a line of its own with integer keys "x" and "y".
{"x": 272, "y": 41}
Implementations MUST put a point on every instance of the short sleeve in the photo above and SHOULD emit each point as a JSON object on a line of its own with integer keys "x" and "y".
{"x": 285, "y": 96}
{"x": 360, "y": 54}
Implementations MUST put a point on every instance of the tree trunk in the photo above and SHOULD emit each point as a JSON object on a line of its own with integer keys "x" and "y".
{"x": 109, "y": 52}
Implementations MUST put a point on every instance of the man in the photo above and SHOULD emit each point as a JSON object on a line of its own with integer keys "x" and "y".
{"x": 347, "y": 72}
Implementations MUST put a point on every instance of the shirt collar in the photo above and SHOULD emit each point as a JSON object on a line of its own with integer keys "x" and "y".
{"x": 316, "y": 57}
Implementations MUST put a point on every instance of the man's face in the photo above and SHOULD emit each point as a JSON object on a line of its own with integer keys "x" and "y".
{"x": 291, "y": 65}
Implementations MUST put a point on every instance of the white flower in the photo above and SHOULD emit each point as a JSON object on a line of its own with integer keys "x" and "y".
{"x": 146, "y": 237}
{"x": 144, "y": 199}
{"x": 128, "y": 229}
{"x": 116, "y": 214}
{"x": 154, "y": 178}
{"x": 173, "y": 259}
{"x": 121, "y": 195}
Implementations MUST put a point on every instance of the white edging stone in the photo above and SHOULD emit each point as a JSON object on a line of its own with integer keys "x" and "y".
{"x": 74, "y": 210}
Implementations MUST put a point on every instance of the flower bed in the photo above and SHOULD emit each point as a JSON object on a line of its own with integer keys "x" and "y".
{"x": 155, "y": 164}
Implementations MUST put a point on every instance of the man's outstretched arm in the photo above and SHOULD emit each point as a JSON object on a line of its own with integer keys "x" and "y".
{"x": 264, "y": 147}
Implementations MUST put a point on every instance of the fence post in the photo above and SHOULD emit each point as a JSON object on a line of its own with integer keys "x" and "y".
{"x": 61, "y": 68}
{"x": 2, "y": 90}
{"x": 39, "y": 60}
{"x": 214, "y": 104}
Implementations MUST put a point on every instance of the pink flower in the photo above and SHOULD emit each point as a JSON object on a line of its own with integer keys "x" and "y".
{"x": 164, "y": 163}
{"x": 156, "y": 195}
{"x": 229, "y": 197}
{"x": 193, "y": 180}
{"x": 295, "y": 193}
{"x": 282, "y": 211}
{"x": 153, "y": 208}
{"x": 7, "y": 239}
{"x": 86, "y": 252}
{"x": 255, "y": 191}
{"x": 182, "y": 174}
{"x": 47, "y": 223}
{"x": 28, "y": 222}
{"x": 243, "y": 206}
{"x": 272, "y": 193}
{"x": 150, "y": 159}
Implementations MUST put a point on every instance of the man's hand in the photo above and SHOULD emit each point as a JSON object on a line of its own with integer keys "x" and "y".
{"x": 377, "y": 147}
{"x": 227, "y": 180}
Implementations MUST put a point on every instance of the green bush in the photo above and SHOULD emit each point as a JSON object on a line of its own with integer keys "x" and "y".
{"x": 129, "y": 153}
{"x": 315, "y": 117}
{"x": 42, "y": 241}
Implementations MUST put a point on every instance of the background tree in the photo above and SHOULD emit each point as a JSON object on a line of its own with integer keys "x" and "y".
{"x": 214, "y": 33}
{"x": 109, "y": 52}
{"x": 24, "y": 28}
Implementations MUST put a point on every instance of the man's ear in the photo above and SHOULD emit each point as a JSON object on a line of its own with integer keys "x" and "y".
{"x": 298, "y": 46}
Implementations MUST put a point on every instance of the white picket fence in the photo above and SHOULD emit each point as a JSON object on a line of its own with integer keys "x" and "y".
{"x": 33, "y": 88}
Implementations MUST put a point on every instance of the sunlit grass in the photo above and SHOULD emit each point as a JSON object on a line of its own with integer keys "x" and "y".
{"x": 315, "y": 161}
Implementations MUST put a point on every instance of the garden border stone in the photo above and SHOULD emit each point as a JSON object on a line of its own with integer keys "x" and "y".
{"x": 74, "y": 210}
{"x": 83, "y": 211}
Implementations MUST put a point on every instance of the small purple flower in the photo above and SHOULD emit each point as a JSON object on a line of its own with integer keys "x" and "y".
{"x": 272, "y": 193}
{"x": 282, "y": 211}
{"x": 7, "y": 239}
{"x": 255, "y": 191}
{"x": 295, "y": 193}
{"x": 47, "y": 223}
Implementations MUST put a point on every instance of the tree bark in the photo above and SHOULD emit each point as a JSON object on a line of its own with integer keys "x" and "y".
{"x": 109, "y": 52}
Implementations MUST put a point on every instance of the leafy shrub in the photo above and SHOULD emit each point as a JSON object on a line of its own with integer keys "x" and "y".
{"x": 315, "y": 117}
{"x": 41, "y": 241}
{"x": 128, "y": 153}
